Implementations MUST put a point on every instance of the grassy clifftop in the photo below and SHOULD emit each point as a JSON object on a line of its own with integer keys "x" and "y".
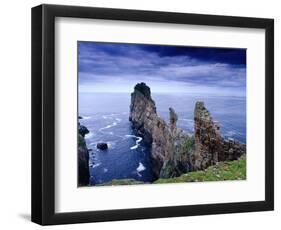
{"x": 122, "y": 182}
{"x": 227, "y": 170}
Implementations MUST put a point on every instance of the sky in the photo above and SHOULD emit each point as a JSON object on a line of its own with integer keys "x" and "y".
{"x": 118, "y": 67}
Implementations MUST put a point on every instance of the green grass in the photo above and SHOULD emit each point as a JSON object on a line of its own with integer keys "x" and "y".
{"x": 122, "y": 182}
{"x": 228, "y": 170}
{"x": 188, "y": 145}
{"x": 81, "y": 141}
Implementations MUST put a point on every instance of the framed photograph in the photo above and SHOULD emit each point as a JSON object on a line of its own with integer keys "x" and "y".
{"x": 141, "y": 114}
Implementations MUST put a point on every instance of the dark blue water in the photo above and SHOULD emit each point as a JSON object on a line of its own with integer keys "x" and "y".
{"x": 106, "y": 116}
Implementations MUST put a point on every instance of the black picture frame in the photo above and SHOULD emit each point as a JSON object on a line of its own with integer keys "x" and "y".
{"x": 43, "y": 114}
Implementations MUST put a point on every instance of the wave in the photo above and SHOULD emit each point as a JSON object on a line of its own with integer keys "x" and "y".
{"x": 89, "y": 135}
{"x": 95, "y": 165}
{"x": 113, "y": 114}
{"x": 110, "y": 116}
{"x": 230, "y": 133}
{"x": 111, "y": 144}
{"x": 108, "y": 126}
{"x": 140, "y": 167}
{"x": 138, "y": 140}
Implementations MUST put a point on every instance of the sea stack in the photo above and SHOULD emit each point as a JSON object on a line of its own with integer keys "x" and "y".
{"x": 210, "y": 147}
{"x": 143, "y": 111}
{"x": 162, "y": 137}
{"x": 208, "y": 140}
{"x": 152, "y": 128}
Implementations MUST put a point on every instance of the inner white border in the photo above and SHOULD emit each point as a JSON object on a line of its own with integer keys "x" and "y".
{"x": 69, "y": 198}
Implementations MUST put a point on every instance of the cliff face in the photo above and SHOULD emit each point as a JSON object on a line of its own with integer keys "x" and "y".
{"x": 163, "y": 138}
{"x": 210, "y": 147}
{"x": 83, "y": 157}
{"x": 208, "y": 141}
{"x": 233, "y": 149}
{"x": 143, "y": 112}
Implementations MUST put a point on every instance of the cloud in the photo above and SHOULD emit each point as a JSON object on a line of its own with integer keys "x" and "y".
{"x": 115, "y": 67}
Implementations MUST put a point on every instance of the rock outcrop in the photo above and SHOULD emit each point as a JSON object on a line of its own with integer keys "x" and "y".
{"x": 82, "y": 130}
{"x": 102, "y": 146}
{"x": 163, "y": 138}
{"x": 143, "y": 112}
{"x": 210, "y": 147}
{"x": 233, "y": 149}
{"x": 208, "y": 141}
{"x": 83, "y": 157}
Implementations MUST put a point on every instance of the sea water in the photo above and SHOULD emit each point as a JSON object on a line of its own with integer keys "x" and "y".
{"x": 107, "y": 118}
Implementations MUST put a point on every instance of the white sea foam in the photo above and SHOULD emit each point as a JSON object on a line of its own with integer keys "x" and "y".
{"x": 139, "y": 174}
{"x": 138, "y": 140}
{"x": 134, "y": 147}
{"x": 108, "y": 126}
{"x": 140, "y": 167}
{"x": 96, "y": 165}
{"x": 105, "y": 170}
{"x": 230, "y": 133}
{"x": 110, "y": 116}
{"x": 86, "y": 117}
{"x": 111, "y": 144}
{"x": 113, "y": 114}
{"x": 89, "y": 135}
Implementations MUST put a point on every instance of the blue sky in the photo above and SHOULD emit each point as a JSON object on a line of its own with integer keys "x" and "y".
{"x": 117, "y": 67}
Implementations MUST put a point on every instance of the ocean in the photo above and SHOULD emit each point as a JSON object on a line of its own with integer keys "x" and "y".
{"x": 107, "y": 118}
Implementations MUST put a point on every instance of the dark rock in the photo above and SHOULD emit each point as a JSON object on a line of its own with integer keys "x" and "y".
{"x": 80, "y": 117}
{"x": 102, "y": 146}
{"x": 233, "y": 149}
{"x": 82, "y": 130}
{"x": 143, "y": 89}
{"x": 83, "y": 162}
{"x": 173, "y": 118}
